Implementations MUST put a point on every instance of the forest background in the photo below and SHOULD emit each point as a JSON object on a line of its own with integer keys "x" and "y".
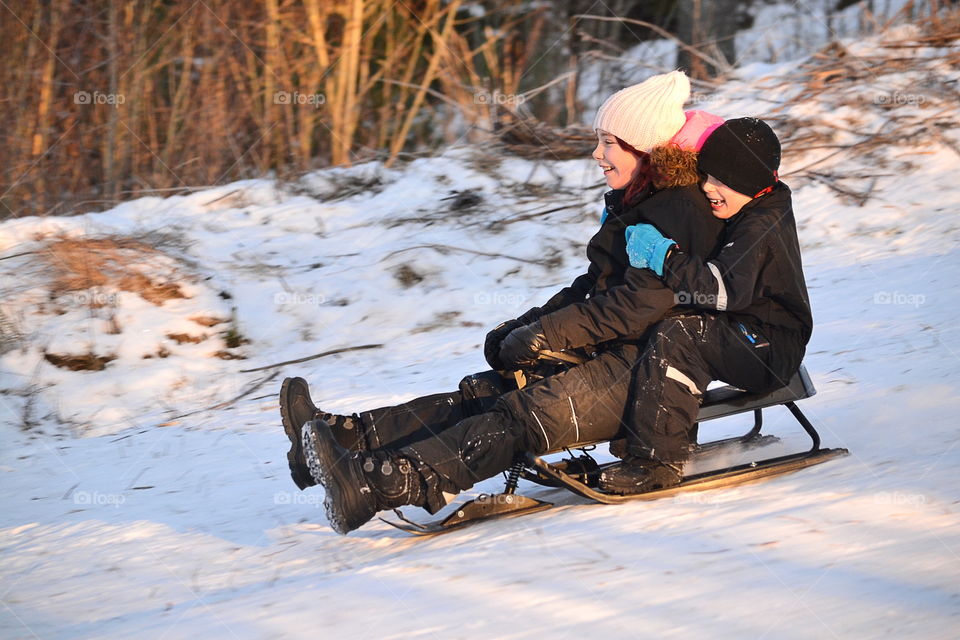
{"x": 112, "y": 100}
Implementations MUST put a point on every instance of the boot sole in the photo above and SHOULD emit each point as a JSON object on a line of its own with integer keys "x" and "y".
{"x": 301, "y": 476}
{"x": 322, "y": 455}
{"x": 654, "y": 485}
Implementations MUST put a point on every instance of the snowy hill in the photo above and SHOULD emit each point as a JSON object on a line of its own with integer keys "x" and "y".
{"x": 144, "y": 483}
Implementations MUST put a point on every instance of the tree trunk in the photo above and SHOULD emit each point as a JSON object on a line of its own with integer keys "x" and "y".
{"x": 710, "y": 27}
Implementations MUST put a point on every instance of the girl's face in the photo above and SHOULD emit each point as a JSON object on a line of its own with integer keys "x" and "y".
{"x": 618, "y": 164}
{"x": 724, "y": 201}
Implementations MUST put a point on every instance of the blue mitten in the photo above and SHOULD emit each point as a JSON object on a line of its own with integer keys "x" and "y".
{"x": 646, "y": 247}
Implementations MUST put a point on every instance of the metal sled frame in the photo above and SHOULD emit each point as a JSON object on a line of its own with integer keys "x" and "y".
{"x": 717, "y": 403}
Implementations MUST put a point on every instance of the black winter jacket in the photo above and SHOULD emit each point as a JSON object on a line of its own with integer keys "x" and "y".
{"x": 613, "y": 301}
{"x": 757, "y": 276}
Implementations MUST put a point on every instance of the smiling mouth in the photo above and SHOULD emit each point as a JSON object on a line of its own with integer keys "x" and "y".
{"x": 716, "y": 202}
{"x": 606, "y": 168}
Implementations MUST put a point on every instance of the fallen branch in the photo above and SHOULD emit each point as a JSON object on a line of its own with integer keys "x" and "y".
{"x": 218, "y": 198}
{"x": 313, "y": 357}
{"x": 16, "y": 255}
{"x": 860, "y": 197}
{"x": 221, "y": 405}
{"x": 537, "y": 214}
{"x": 528, "y": 137}
{"x": 866, "y": 139}
{"x": 527, "y": 215}
{"x": 939, "y": 135}
{"x": 444, "y": 248}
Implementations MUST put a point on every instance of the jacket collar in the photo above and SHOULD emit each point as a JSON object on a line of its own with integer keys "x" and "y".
{"x": 616, "y": 207}
{"x": 776, "y": 197}
{"x": 613, "y": 200}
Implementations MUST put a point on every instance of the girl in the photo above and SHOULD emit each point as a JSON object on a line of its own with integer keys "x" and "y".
{"x": 420, "y": 452}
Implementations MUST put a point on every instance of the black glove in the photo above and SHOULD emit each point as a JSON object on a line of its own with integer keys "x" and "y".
{"x": 521, "y": 348}
{"x": 491, "y": 346}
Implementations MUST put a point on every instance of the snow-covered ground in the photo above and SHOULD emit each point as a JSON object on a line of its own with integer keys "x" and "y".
{"x": 151, "y": 499}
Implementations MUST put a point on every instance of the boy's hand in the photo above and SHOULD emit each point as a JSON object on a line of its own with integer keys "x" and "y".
{"x": 647, "y": 248}
{"x": 491, "y": 346}
{"x": 521, "y": 348}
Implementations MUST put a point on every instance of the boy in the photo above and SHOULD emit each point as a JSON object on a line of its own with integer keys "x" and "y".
{"x": 752, "y": 319}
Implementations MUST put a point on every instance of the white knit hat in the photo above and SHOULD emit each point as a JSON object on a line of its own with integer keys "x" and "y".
{"x": 647, "y": 114}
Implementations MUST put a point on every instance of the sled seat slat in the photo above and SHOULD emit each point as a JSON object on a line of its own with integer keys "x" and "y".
{"x": 727, "y": 400}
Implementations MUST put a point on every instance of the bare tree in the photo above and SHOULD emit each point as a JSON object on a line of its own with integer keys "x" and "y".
{"x": 708, "y": 26}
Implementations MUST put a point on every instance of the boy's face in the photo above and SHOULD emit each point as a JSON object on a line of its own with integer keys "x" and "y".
{"x": 617, "y": 163}
{"x": 724, "y": 201}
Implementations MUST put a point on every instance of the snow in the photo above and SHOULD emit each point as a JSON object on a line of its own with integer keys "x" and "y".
{"x": 152, "y": 500}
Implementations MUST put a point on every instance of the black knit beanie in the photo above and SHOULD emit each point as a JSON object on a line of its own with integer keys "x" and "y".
{"x": 743, "y": 154}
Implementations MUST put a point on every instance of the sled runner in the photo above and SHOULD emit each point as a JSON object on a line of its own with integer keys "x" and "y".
{"x": 579, "y": 473}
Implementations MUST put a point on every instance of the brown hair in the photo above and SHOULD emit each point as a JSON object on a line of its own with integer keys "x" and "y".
{"x": 643, "y": 176}
{"x": 673, "y": 167}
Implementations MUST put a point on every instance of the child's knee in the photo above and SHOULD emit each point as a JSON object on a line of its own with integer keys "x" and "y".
{"x": 676, "y": 334}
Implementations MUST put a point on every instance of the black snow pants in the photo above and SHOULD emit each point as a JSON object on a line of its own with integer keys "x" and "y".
{"x": 475, "y": 433}
{"x": 400, "y": 425}
{"x": 684, "y": 354}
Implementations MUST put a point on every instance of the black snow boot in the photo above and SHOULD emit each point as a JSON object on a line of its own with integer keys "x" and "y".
{"x": 637, "y": 474}
{"x": 358, "y": 485}
{"x": 296, "y": 409}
